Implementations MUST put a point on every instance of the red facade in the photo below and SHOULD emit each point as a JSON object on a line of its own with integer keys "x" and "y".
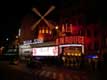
{"x": 91, "y": 34}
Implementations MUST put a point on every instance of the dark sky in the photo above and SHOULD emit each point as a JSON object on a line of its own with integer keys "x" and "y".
{"x": 12, "y": 11}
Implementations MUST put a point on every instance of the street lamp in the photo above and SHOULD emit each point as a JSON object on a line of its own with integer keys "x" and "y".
{"x": 16, "y": 37}
{"x": 7, "y": 39}
{"x": 56, "y": 27}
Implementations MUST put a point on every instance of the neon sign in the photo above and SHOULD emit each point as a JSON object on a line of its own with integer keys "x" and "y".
{"x": 71, "y": 40}
{"x": 35, "y": 41}
{"x": 73, "y": 45}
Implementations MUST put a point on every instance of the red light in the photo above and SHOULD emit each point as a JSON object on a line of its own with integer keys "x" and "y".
{"x": 87, "y": 40}
{"x": 75, "y": 29}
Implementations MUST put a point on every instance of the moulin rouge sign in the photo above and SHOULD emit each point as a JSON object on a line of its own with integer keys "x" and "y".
{"x": 70, "y": 39}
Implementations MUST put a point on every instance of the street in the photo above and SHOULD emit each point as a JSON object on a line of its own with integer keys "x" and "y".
{"x": 9, "y": 73}
{"x": 21, "y": 72}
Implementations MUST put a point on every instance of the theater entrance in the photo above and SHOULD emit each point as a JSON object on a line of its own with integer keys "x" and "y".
{"x": 72, "y": 55}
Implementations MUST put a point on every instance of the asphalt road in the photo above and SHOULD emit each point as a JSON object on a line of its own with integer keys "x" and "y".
{"x": 9, "y": 73}
{"x": 20, "y": 72}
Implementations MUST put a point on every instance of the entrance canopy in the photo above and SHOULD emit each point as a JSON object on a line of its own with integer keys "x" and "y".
{"x": 73, "y": 45}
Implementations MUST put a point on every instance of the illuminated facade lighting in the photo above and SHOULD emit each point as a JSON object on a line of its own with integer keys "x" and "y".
{"x": 40, "y": 31}
{"x": 43, "y": 31}
{"x": 19, "y": 32}
{"x": 47, "y": 30}
{"x": 50, "y": 32}
{"x": 56, "y": 27}
{"x": 63, "y": 30}
{"x": 70, "y": 27}
{"x": 68, "y": 45}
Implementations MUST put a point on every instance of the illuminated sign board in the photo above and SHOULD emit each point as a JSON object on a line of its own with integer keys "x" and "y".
{"x": 73, "y": 47}
{"x": 45, "y": 51}
{"x": 71, "y": 40}
{"x": 35, "y": 41}
{"x": 74, "y": 51}
{"x": 24, "y": 46}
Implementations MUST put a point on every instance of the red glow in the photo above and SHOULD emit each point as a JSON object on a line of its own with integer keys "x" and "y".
{"x": 71, "y": 40}
{"x": 81, "y": 39}
{"x": 41, "y": 36}
{"x": 57, "y": 40}
{"x": 67, "y": 39}
{"x": 87, "y": 40}
{"x": 75, "y": 29}
{"x": 61, "y": 40}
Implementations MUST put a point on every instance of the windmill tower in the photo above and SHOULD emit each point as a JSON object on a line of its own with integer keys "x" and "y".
{"x": 44, "y": 32}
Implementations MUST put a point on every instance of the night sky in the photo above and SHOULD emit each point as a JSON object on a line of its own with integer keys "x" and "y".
{"x": 12, "y": 12}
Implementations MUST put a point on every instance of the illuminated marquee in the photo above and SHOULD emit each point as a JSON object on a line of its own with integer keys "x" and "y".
{"x": 74, "y": 45}
{"x": 71, "y": 40}
{"x": 45, "y": 51}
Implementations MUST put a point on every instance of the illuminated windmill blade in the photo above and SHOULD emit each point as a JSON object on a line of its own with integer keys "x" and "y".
{"x": 33, "y": 27}
{"x": 49, "y": 25}
{"x": 37, "y": 12}
{"x": 45, "y": 21}
{"x": 50, "y": 9}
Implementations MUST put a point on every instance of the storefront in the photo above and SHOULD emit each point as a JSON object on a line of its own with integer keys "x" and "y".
{"x": 68, "y": 50}
{"x": 46, "y": 52}
{"x": 71, "y": 50}
{"x": 71, "y": 54}
{"x": 25, "y": 51}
